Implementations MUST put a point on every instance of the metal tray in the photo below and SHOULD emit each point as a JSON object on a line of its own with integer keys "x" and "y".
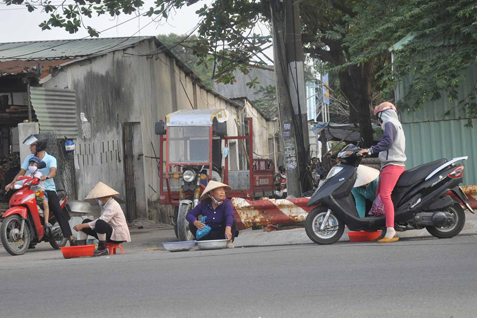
{"x": 212, "y": 244}
{"x": 178, "y": 246}
{"x": 80, "y": 207}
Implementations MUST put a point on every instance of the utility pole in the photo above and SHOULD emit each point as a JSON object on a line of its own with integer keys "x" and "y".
{"x": 290, "y": 79}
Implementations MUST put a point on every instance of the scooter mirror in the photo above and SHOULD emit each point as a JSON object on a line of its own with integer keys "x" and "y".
{"x": 41, "y": 165}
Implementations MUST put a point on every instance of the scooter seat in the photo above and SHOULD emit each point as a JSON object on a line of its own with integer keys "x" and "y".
{"x": 415, "y": 175}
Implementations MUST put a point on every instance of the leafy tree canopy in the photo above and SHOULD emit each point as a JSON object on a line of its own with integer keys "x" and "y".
{"x": 351, "y": 37}
{"x": 437, "y": 43}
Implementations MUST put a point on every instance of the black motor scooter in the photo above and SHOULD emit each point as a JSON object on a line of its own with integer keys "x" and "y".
{"x": 422, "y": 199}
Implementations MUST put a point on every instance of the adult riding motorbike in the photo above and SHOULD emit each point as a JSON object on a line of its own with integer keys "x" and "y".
{"x": 22, "y": 225}
{"x": 427, "y": 196}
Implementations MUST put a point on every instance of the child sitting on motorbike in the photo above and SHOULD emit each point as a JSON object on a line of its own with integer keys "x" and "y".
{"x": 40, "y": 189}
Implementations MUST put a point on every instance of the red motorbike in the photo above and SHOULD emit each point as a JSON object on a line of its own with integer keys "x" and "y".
{"x": 22, "y": 225}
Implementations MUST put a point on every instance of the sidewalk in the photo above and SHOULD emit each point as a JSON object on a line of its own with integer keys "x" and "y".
{"x": 152, "y": 237}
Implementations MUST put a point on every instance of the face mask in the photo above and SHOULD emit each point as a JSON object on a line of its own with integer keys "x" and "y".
{"x": 100, "y": 203}
{"x": 218, "y": 202}
{"x": 32, "y": 169}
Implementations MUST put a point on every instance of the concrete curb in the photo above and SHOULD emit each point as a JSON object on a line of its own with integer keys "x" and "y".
{"x": 249, "y": 238}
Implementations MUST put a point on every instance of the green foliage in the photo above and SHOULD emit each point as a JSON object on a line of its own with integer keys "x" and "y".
{"x": 352, "y": 38}
{"x": 267, "y": 103}
{"x": 202, "y": 68}
{"x": 441, "y": 44}
{"x": 232, "y": 20}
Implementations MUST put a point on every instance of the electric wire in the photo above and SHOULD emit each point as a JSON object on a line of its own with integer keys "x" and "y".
{"x": 63, "y": 42}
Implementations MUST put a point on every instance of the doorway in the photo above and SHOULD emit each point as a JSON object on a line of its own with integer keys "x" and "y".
{"x": 134, "y": 171}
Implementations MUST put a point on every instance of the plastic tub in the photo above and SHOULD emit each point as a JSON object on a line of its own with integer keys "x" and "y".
{"x": 363, "y": 236}
{"x": 78, "y": 251}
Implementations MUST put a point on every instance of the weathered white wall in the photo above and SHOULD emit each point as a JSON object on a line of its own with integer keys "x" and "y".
{"x": 122, "y": 87}
{"x": 262, "y": 131}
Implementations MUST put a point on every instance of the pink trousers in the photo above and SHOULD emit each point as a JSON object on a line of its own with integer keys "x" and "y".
{"x": 387, "y": 181}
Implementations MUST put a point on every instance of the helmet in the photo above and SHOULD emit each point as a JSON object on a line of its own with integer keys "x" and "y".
{"x": 70, "y": 146}
{"x": 34, "y": 159}
{"x": 37, "y": 140}
{"x": 383, "y": 107}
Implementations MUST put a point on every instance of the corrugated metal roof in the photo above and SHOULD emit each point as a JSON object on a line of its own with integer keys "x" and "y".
{"x": 55, "y": 110}
{"x": 39, "y": 69}
{"x": 430, "y": 135}
{"x": 65, "y": 49}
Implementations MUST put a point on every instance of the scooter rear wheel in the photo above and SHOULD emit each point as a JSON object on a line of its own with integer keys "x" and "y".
{"x": 333, "y": 230}
{"x": 450, "y": 231}
{"x": 10, "y": 234}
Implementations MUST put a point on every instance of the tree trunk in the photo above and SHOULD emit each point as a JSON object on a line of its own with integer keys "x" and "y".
{"x": 354, "y": 85}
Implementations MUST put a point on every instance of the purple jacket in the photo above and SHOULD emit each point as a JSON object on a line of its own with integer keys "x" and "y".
{"x": 215, "y": 218}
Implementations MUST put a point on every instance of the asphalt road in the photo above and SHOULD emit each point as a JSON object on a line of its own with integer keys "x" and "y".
{"x": 412, "y": 278}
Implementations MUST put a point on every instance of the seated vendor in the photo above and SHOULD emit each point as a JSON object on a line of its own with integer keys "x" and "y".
{"x": 218, "y": 210}
{"x": 365, "y": 188}
{"x": 110, "y": 227}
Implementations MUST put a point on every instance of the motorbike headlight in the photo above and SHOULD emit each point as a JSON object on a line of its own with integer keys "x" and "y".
{"x": 18, "y": 184}
{"x": 189, "y": 175}
{"x": 333, "y": 172}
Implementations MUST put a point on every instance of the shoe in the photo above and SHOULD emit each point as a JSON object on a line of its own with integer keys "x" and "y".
{"x": 102, "y": 250}
{"x": 389, "y": 240}
{"x": 48, "y": 226}
{"x": 73, "y": 242}
{"x": 230, "y": 245}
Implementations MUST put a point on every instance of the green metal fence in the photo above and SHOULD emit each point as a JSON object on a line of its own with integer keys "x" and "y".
{"x": 430, "y": 135}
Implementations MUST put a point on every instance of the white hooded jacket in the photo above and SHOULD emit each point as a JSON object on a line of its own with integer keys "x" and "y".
{"x": 392, "y": 148}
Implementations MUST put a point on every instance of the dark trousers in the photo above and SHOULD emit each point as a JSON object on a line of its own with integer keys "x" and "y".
{"x": 55, "y": 207}
{"x": 217, "y": 234}
{"x": 100, "y": 227}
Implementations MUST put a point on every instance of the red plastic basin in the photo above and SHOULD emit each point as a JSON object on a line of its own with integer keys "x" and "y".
{"x": 363, "y": 236}
{"x": 78, "y": 251}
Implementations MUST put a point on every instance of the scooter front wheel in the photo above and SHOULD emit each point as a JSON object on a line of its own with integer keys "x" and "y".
{"x": 332, "y": 230}
{"x": 15, "y": 242}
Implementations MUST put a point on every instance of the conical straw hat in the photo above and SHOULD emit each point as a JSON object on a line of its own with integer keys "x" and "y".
{"x": 214, "y": 185}
{"x": 100, "y": 191}
{"x": 365, "y": 175}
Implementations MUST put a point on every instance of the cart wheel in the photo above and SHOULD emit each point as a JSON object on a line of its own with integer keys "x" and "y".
{"x": 183, "y": 233}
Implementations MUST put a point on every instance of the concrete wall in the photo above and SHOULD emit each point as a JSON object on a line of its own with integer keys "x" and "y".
{"x": 25, "y": 130}
{"x": 263, "y": 130}
{"x": 124, "y": 87}
{"x": 240, "y": 89}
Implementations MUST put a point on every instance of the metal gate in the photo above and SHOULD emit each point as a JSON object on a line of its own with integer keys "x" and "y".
{"x": 129, "y": 171}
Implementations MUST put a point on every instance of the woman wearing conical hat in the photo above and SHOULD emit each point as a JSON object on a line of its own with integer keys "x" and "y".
{"x": 365, "y": 188}
{"x": 110, "y": 227}
{"x": 218, "y": 210}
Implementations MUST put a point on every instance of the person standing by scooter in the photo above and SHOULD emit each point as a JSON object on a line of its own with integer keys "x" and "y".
{"x": 38, "y": 149}
{"x": 392, "y": 155}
